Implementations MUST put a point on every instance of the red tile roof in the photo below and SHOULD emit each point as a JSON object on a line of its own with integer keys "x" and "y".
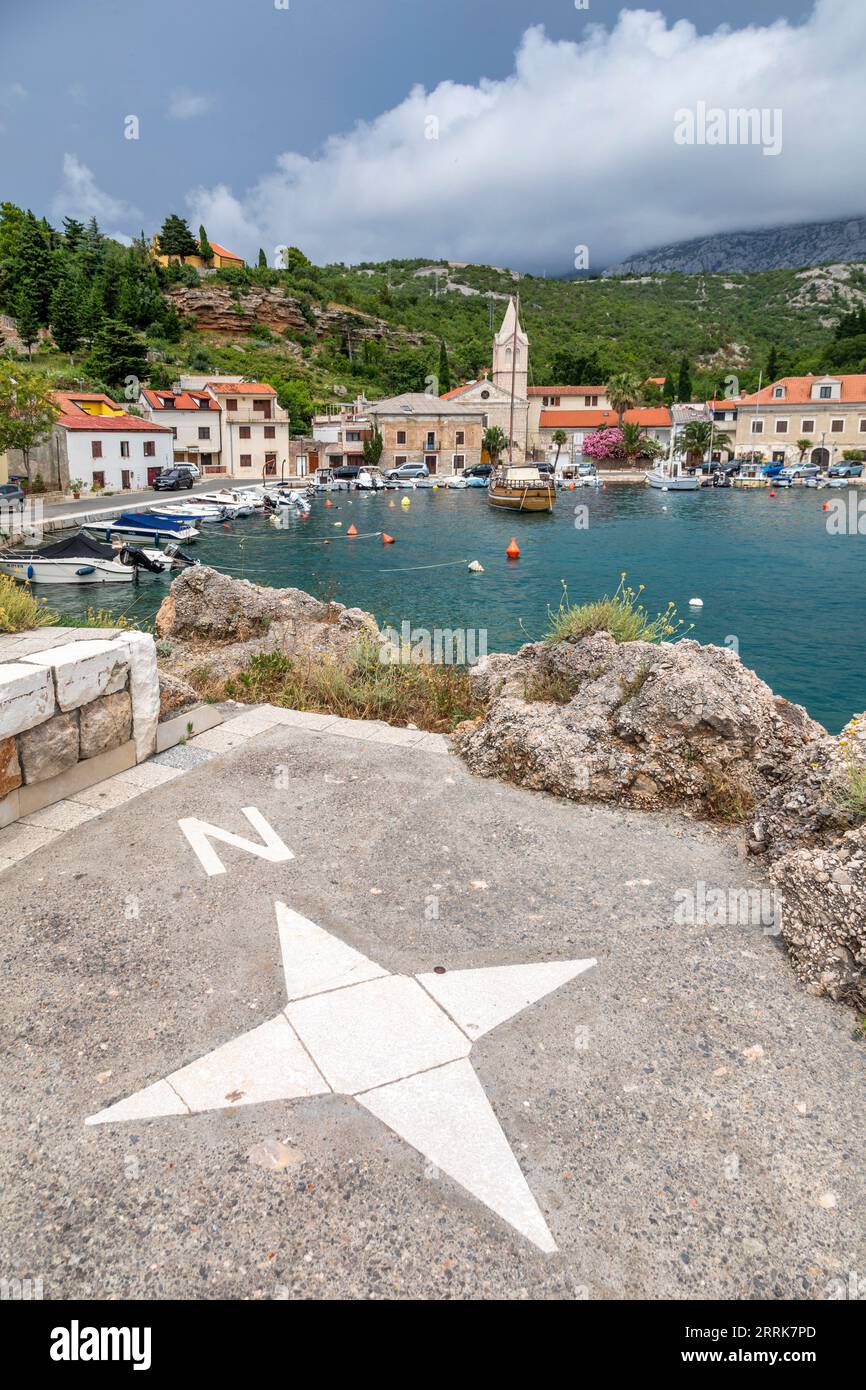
{"x": 71, "y": 417}
{"x": 241, "y": 388}
{"x": 183, "y": 400}
{"x": 221, "y": 251}
{"x": 656, "y": 416}
{"x": 798, "y": 391}
{"x": 568, "y": 390}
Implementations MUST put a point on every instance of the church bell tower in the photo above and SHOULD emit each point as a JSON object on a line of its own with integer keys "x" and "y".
{"x": 506, "y": 345}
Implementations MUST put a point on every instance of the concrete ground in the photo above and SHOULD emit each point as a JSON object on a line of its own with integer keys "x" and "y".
{"x": 688, "y": 1121}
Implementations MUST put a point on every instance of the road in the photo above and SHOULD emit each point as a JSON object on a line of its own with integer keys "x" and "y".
{"x": 676, "y": 1120}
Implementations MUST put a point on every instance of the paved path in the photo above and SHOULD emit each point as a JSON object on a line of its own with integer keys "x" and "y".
{"x": 678, "y": 1120}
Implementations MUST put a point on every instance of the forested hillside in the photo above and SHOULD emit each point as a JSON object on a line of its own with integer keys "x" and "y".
{"x": 94, "y": 313}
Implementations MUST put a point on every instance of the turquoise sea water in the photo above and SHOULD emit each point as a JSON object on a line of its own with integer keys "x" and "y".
{"x": 769, "y": 572}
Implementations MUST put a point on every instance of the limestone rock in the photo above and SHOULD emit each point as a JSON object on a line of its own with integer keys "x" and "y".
{"x": 823, "y": 895}
{"x": 636, "y": 723}
{"x": 143, "y": 689}
{"x": 175, "y": 695}
{"x": 217, "y": 624}
{"x": 49, "y": 749}
{"x": 104, "y": 724}
{"x": 10, "y": 768}
{"x": 26, "y": 696}
{"x": 83, "y": 671}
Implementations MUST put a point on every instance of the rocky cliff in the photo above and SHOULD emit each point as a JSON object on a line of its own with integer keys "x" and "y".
{"x": 772, "y": 248}
{"x": 221, "y": 309}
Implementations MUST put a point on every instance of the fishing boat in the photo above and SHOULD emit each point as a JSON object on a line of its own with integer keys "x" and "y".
{"x": 80, "y": 559}
{"x": 148, "y": 524}
{"x": 520, "y": 487}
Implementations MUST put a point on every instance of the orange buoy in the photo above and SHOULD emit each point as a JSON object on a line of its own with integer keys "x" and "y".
{"x": 571, "y": 487}
{"x": 386, "y": 539}
{"x": 826, "y": 507}
{"x": 353, "y": 530}
{"x": 772, "y": 494}
{"x": 513, "y": 551}
{"x": 226, "y": 526}
{"x": 328, "y": 502}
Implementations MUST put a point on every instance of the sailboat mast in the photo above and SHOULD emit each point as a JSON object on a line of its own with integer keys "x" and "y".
{"x": 513, "y": 379}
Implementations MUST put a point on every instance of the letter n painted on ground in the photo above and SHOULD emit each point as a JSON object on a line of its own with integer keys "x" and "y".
{"x": 200, "y": 833}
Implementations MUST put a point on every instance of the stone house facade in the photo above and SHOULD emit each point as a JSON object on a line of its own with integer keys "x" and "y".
{"x": 417, "y": 428}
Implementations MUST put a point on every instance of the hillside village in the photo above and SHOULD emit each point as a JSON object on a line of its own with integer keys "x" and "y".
{"x": 130, "y": 347}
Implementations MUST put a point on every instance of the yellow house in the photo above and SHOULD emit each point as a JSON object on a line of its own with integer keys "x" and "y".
{"x": 221, "y": 257}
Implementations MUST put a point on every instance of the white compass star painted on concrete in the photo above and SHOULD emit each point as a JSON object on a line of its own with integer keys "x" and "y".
{"x": 399, "y": 1045}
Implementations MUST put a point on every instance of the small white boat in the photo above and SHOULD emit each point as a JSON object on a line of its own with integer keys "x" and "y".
{"x": 80, "y": 559}
{"x": 239, "y": 503}
{"x": 672, "y": 482}
{"x": 206, "y": 515}
{"x": 147, "y": 524}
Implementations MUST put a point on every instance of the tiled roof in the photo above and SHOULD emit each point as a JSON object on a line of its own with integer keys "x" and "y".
{"x": 241, "y": 388}
{"x": 658, "y": 417}
{"x": 418, "y": 404}
{"x": 73, "y": 418}
{"x": 221, "y": 251}
{"x": 183, "y": 400}
{"x": 568, "y": 390}
{"x": 798, "y": 390}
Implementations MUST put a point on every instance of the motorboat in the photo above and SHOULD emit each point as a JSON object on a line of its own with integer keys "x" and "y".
{"x": 240, "y": 503}
{"x": 521, "y": 487}
{"x": 205, "y": 514}
{"x": 148, "y": 524}
{"x": 80, "y": 559}
{"x": 369, "y": 480}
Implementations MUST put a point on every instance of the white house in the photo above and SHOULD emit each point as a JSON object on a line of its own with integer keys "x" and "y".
{"x": 195, "y": 420}
{"x": 104, "y": 447}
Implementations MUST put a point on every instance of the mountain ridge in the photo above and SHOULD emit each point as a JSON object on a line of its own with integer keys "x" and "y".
{"x": 792, "y": 247}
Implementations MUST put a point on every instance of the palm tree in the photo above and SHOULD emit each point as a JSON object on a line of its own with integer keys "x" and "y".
{"x": 559, "y": 438}
{"x": 803, "y": 445}
{"x": 625, "y": 391}
{"x": 493, "y": 443}
{"x": 698, "y": 437}
{"x": 634, "y": 442}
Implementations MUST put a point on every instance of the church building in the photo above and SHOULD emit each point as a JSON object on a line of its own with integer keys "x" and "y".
{"x": 492, "y": 398}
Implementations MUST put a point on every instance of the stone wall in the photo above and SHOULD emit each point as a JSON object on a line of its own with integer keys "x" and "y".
{"x": 76, "y": 705}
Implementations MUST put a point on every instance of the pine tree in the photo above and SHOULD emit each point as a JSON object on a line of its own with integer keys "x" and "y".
{"x": 73, "y": 234}
{"x": 684, "y": 382}
{"x": 444, "y": 369}
{"x": 176, "y": 239}
{"x": 27, "y": 314}
{"x": 33, "y": 262}
{"x": 118, "y": 352}
{"x": 92, "y": 249}
{"x": 92, "y": 313}
{"x": 65, "y": 312}
{"x": 205, "y": 250}
{"x": 772, "y": 365}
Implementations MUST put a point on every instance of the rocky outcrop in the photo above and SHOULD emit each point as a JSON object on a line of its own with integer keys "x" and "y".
{"x": 822, "y": 893}
{"x": 689, "y": 726}
{"x": 636, "y": 724}
{"x": 222, "y": 309}
{"x": 209, "y": 619}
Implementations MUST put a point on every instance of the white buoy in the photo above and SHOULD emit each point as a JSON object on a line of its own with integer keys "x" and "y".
{"x": 475, "y": 567}
{"x": 696, "y": 603}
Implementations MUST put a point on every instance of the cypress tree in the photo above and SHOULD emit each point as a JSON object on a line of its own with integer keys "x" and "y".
{"x": 684, "y": 382}
{"x": 444, "y": 369}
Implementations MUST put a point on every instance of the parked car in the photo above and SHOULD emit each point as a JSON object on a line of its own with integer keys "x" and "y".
{"x": 848, "y": 468}
{"x": 407, "y": 472}
{"x": 191, "y": 468}
{"x": 481, "y": 470}
{"x": 802, "y": 471}
{"x": 172, "y": 480}
{"x": 11, "y": 495}
{"x": 347, "y": 472}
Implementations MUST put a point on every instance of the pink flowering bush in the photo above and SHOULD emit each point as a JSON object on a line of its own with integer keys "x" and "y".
{"x": 604, "y": 444}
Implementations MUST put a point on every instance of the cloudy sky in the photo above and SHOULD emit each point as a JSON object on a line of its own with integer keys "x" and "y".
{"x": 503, "y": 131}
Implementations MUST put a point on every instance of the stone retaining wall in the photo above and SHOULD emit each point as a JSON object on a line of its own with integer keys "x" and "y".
{"x": 76, "y": 706}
